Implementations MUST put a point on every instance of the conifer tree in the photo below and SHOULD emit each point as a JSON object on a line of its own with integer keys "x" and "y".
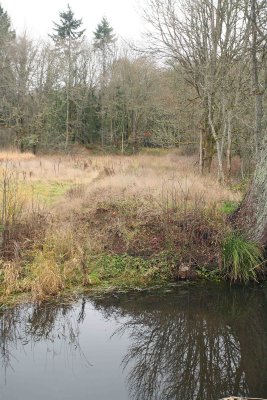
{"x": 7, "y": 36}
{"x": 66, "y": 33}
{"x": 68, "y": 28}
{"x": 104, "y": 38}
{"x": 6, "y": 31}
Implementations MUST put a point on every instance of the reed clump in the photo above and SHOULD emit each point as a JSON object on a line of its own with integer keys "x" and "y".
{"x": 243, "y": 260}
{"x": 46, "y": 278}
{"x": 10, "y": 279}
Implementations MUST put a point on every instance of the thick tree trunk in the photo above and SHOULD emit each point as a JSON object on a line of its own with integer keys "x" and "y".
{"x": 251, "y": 216}
{"x": 256, "y": 86}
{"x": 208, "y": 150}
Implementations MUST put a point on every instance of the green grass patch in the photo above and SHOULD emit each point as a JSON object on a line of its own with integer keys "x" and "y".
{"x": 128, "y": 271}
{"x": 228, "y": 207}
{"x": 212, "y": 275}
{"x": 48, "y": 192}
{"x": 154, "y": 151}
{"x": 242, "y": 259}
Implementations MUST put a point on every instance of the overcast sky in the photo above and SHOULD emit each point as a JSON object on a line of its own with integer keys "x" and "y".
{"x": 37, "y": 16}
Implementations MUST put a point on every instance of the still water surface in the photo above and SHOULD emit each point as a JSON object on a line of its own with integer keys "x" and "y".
{"x": 183, "y": 343}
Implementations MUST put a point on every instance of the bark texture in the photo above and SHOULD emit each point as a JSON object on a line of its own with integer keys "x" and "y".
{"x": 252, "y": 214}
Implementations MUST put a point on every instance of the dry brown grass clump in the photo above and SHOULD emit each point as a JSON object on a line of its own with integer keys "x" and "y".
{"x": 14, "y": 155}
{"x": 47, "y": 279}
{"x": 11, "y": 272}
{"x": 121, "y": 176}
{"x": 168, "y": 181}
{"x": 56, "y": 169}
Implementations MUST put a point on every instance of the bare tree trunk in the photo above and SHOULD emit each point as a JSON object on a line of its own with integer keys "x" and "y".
{"x": 207, "y": 144}
{"x": 111, "y": 131}
{"x": 201, "y": 164}
{"x": 68, "y": 95}
{"x": 220, "y": 161}
{"x": 67, "y": 119}
{"x": 255, "y": 78}
{"x": 229, "y": 146}
{"x": 218, "y": 145}
{"x": 122, "y": 142}
{"x": 251, "y": 216}
{"x": 258, "y": 118}
{"x": 208, "y": 151}
{"x": 134, "y": 132}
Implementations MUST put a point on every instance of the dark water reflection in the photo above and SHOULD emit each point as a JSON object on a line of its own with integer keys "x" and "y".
{"x": 186, "y": 343}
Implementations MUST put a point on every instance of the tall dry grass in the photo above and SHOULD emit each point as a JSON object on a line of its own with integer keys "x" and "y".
{"x": 168, "y": 178}
{"x": 143, "y": 175}
{"x": 142, "y": 172}
{"x": 14, "y": 155}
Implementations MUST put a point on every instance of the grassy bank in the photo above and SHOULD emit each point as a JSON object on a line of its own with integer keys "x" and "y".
{"x": 106, "y": 222}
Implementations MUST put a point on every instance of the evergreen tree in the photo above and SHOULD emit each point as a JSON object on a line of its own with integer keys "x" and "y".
{"x": 103, "y": 35}
{"x": 68, "y": 28}
{"x": 7, "y": 86}
{"x": 66, "y": 33}
{"x": 104, "y": 39}
{"x": 5, "y": 25}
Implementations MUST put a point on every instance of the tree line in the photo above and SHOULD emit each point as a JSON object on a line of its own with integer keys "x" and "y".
{"x": 71, "y": 89}
{"x": 198, "y": 81}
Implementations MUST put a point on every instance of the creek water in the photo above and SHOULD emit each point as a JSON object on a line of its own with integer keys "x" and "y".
{"x": 186, "y": 342}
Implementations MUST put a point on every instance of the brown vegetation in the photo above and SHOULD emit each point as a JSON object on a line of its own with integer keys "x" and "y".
{"x": 154, "y": 213}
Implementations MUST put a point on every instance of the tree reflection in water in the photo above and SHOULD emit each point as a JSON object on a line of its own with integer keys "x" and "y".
{"x": 186, "y": 343}
{"x": 199, "y": 344}
{"x": 47, "y": 322}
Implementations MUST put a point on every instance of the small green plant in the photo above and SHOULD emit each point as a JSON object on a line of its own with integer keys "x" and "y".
{"x": 241, "y": 186}
{"x": 208, "y": 275}
{"x": 242, "y": 259}
{"x": 228, "y": 207}
{"x": 128, "y": 271}
{"x": 114, "y": 265}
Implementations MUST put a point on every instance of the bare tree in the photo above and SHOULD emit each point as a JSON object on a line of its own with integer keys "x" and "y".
{"x": 205, "y": 38}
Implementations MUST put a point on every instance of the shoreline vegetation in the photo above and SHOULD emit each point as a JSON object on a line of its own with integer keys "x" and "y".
{"x": 93, "y": 223}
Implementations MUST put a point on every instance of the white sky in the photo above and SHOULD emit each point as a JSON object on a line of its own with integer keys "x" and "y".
{"x": 37, "y": 16}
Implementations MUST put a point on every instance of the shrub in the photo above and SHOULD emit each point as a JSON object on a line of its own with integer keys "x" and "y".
{"x": 11, "y": 202}
{"x": 242, "y": 259}
{"x": 47, "y": 278}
